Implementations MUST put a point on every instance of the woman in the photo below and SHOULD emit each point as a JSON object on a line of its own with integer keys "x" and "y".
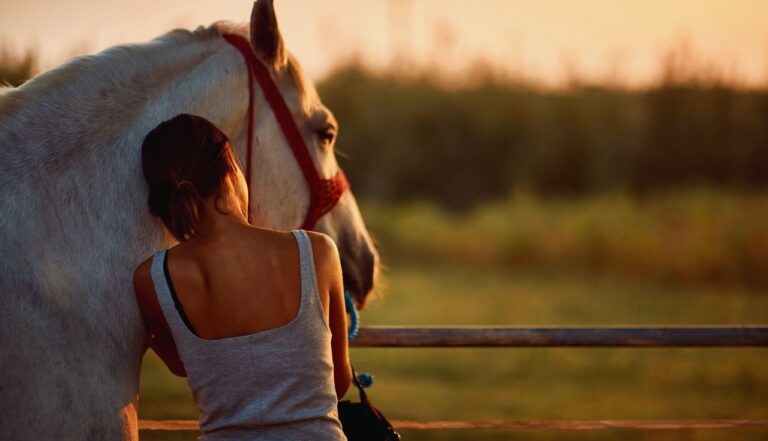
{"x": 253, "y": 317}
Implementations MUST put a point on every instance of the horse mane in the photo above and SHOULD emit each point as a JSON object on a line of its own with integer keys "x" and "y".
{"x": 81, "y": 102}
{"x": 105, "y": 65}
{"x": 85, "y": 98}
{"x": 115, "y": 64}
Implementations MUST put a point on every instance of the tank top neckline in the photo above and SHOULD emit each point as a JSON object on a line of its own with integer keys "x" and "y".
{"x": 305, "y": 252}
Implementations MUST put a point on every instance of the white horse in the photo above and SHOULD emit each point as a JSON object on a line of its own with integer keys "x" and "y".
{"x": 74, "y": 220}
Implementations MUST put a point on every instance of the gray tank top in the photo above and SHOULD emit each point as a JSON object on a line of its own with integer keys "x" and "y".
{"x": 275, "y": 384}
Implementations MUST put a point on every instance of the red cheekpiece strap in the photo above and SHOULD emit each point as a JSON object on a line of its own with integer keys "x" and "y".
{"x": 324, "y": 193}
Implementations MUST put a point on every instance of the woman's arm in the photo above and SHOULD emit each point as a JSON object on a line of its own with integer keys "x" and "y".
{"x": 158, "y": 333}
{"x": 165, "y": 348}
{"x": 342, "y": 372}
{"x": 337, "y": 313}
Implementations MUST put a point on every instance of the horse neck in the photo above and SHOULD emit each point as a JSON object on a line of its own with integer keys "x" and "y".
{"x": 216, "y": 89}
{"x": 77, "y": 131}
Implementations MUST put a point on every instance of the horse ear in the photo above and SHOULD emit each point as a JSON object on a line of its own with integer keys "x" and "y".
{"x": 265, "y": 35}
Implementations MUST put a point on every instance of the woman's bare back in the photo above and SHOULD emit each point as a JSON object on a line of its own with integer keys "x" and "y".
{"x": 244, "y": 281}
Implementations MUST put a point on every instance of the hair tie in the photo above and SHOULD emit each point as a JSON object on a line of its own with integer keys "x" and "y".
{"x": 180, "y": 185}
{"x": 184, "y": 183}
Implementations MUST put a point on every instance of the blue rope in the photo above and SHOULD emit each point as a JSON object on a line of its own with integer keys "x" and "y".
{"x": 354, "y": 319}
{"x": 366, "y": 379}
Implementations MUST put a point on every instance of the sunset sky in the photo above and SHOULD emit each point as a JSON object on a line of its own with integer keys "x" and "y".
{"x": 544, "y": 38}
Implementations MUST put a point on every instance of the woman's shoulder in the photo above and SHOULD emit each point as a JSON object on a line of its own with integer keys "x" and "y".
{"x": 142, "y": 277}
{"x": 321, "y": 240}
{"x": 144, "y": 288}
{"x": 326, "y": 259}
{"x": 323, "y": 246}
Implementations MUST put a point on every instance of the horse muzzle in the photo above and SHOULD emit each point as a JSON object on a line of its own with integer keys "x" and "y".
{"x": 359, "y": 264}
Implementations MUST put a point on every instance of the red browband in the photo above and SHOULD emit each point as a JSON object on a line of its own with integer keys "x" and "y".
{"x": 324, "y": 193}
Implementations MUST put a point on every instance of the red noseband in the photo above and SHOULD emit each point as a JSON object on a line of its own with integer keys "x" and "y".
{"x": 323, "y": 193}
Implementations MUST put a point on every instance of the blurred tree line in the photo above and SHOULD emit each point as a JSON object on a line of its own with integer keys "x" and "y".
{"x": 16, "y": 68}
{"x": 409, "y": 137}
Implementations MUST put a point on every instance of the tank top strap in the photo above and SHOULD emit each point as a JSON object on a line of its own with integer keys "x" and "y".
{"x": 310, "y": 295}
{"x": 175, "y": 322}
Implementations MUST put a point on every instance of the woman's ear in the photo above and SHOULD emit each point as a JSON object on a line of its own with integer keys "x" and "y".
{"x": 240, "y": 187}
{"x": 234, "y": 196}
{"x": 222, "y": 203}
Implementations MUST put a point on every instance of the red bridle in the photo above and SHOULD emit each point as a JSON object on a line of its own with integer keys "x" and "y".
{"x": 323, "y": 193}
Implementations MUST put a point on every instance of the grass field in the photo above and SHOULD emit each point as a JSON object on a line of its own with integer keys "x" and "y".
{"x": 466, "y": 384}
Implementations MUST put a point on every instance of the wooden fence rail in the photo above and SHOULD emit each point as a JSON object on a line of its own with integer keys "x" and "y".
{"x": 576, "y": 336}
{"x": 538, "y": 337}
{"x": 175, "y": 425}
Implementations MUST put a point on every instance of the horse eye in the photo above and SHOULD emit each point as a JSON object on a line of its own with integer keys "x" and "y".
{"x": 327, "y": 134}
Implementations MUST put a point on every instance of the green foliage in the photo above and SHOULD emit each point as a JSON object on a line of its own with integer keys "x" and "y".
{"x": 411, "y": 138}
{"x": 703, "y": 236}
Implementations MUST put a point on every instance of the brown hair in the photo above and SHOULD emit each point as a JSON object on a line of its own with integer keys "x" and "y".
{"x": 186, "y": 159}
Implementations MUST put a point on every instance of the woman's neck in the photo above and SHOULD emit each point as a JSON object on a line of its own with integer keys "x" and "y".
{"x": 216, "y": 223}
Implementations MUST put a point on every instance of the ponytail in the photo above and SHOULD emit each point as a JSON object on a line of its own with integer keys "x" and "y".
{"x": 184, "y": 210}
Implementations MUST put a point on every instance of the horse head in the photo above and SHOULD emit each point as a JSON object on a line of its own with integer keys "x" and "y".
{"x": 279, "y": 192}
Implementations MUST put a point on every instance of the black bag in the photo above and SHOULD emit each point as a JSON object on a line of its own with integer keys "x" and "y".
{"x": 362, "y": 421}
